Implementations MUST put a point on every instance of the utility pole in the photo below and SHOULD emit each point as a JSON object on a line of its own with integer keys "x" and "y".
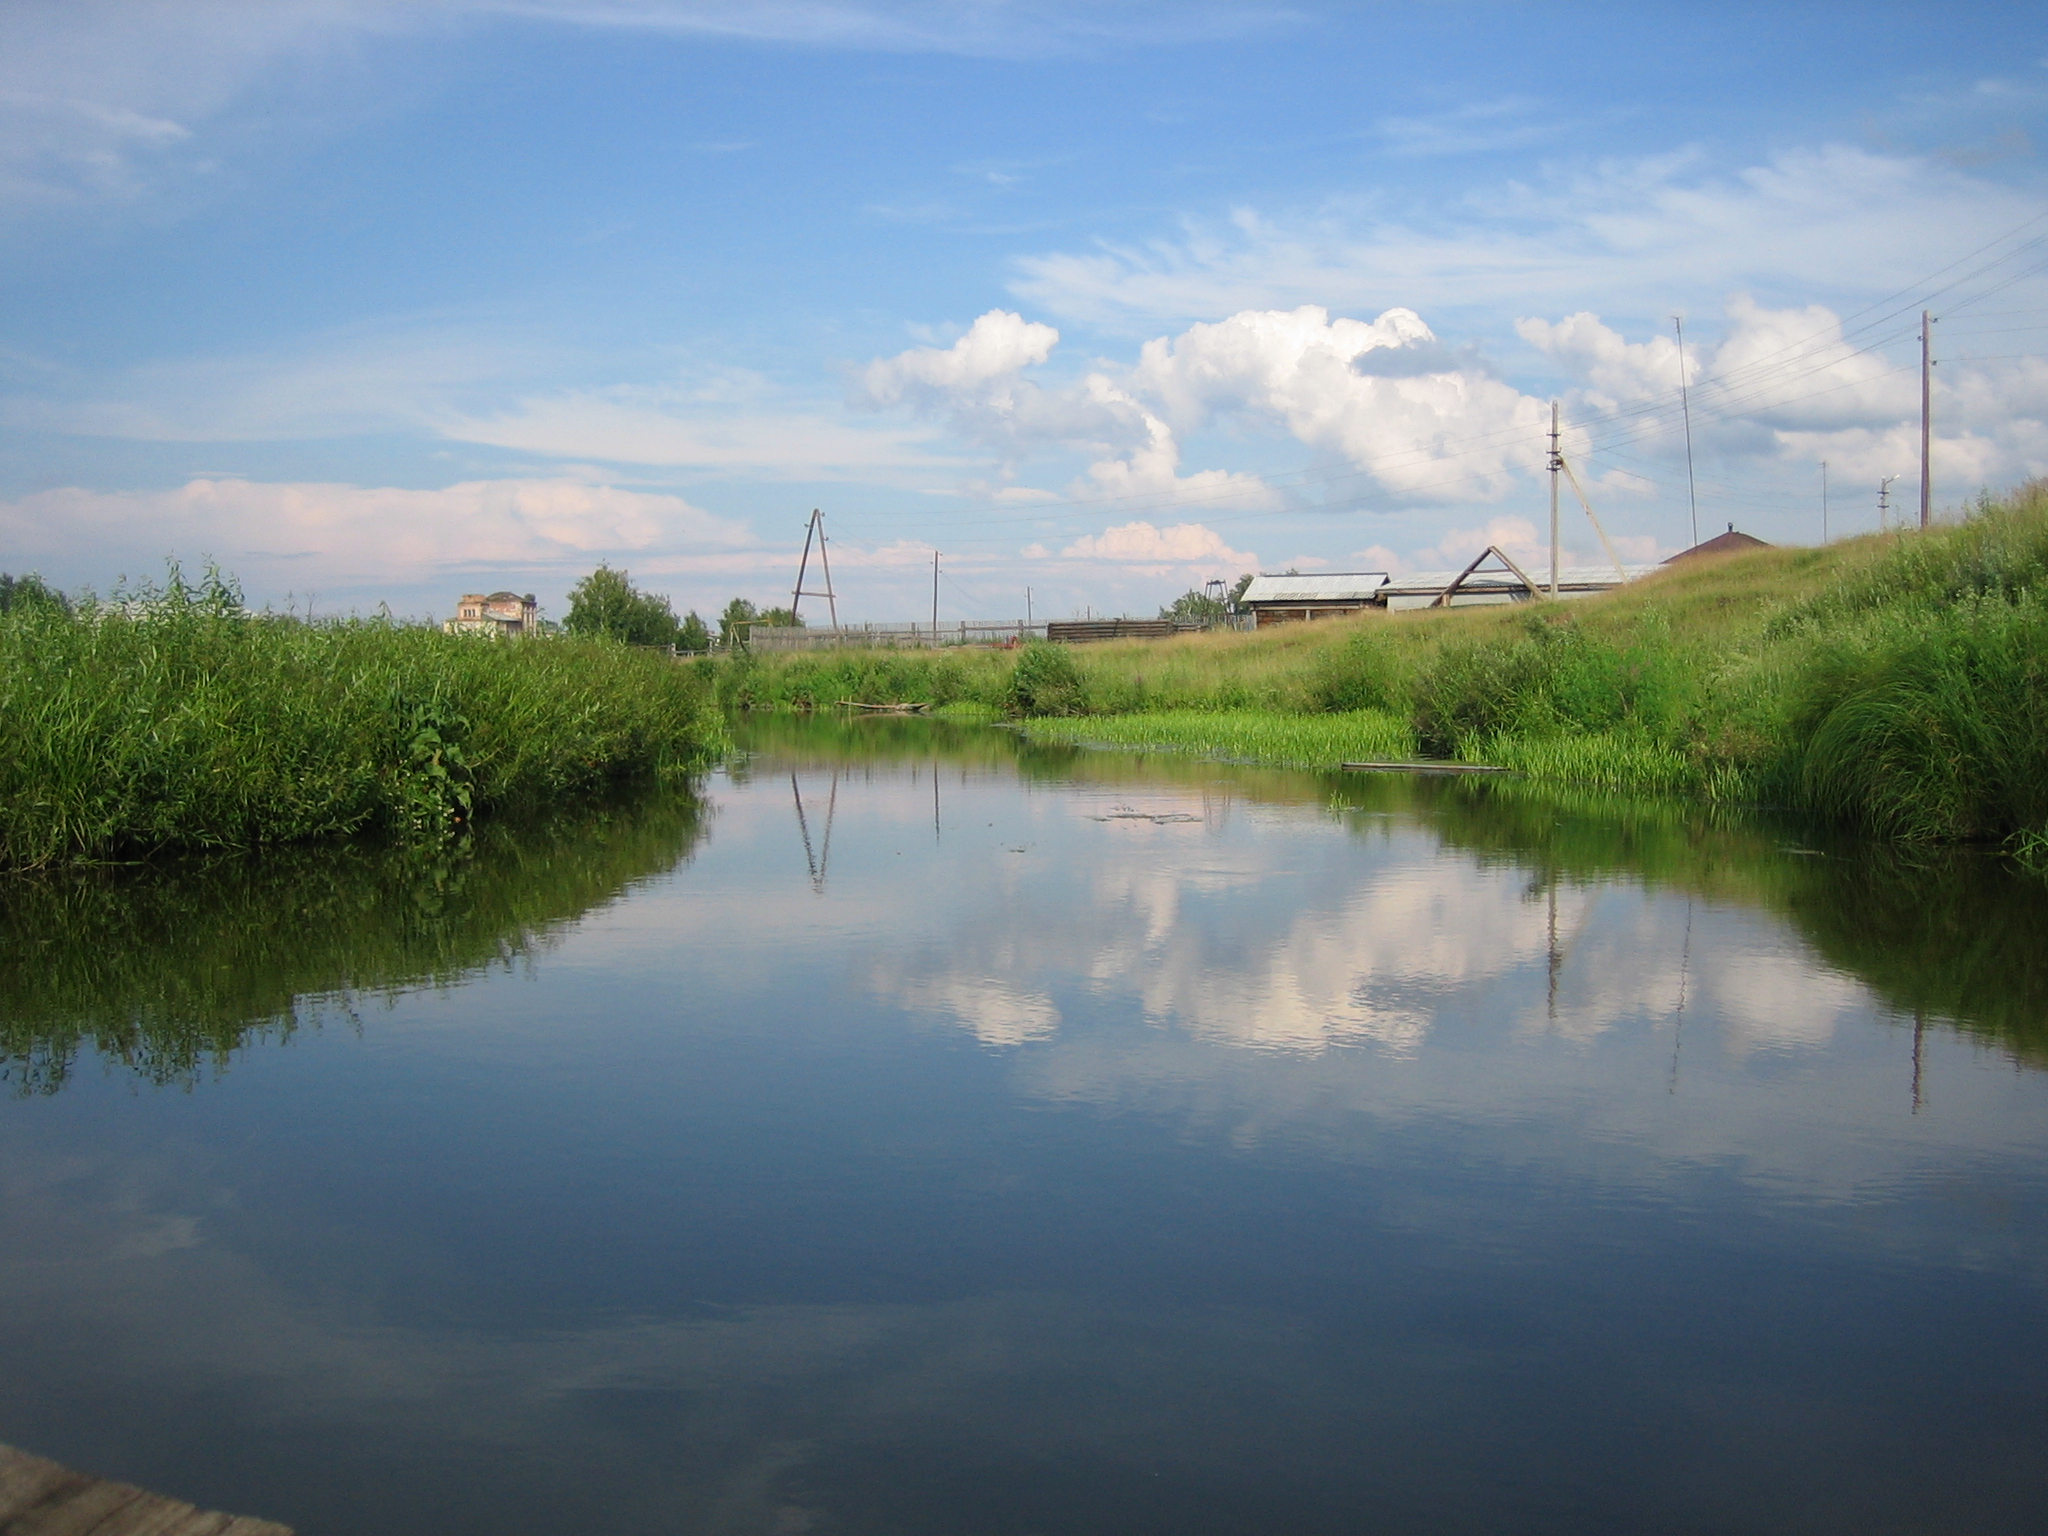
{"x": 1556, "y": 464}
{"x": 815, "y": 526}
{"x": 1926, "y": 419}
{"x": 1692, "y": 493}
{"x": 1027, "y": 607}
{"x": 1884, "y": 503}
{"x": 935, "y": 597}
{"x": 1823, "y": 501}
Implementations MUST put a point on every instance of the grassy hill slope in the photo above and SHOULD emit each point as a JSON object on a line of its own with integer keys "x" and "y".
{"x": 1898, "y": 683}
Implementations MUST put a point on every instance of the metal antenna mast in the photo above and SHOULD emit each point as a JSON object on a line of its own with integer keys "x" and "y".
{"x": 1685, "y": 404}
{"x": 815, "y": 526}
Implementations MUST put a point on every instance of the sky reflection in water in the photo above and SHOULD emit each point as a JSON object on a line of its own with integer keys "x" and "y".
{"x": 1023, "y": 1141}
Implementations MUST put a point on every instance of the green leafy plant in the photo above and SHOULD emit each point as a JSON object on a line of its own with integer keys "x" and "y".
{"x": 1047, "y": 681}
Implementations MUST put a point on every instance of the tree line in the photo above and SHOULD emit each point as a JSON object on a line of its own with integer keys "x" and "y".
{"x": 607, "y": 603}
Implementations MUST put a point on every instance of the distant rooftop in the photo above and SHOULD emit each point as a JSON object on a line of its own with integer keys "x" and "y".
{"x": 1729, "y": 543}
{"x": 1316, "y": 587}
{"x": 1479, "y": 581}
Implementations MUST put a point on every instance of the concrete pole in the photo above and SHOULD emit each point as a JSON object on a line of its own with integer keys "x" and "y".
{"x": 1926, "y": 422}
{"x": 1556, "y": 463}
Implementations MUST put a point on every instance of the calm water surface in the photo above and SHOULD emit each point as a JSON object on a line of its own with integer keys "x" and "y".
{"x": 930, "y": 1134}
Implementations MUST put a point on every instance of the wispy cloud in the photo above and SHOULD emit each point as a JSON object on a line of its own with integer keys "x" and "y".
{"x": 638, "y": 426}
{"x": 1513, "y": 122}
{"x": 352, "y": 536}
{"x": 1629, "y": 237}
{"x": 100, "y": 100}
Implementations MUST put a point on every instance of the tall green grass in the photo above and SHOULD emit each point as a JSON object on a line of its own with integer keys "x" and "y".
{"x": 1279, "y": 741}
{"x": 1893, "y": 683}
{"x": 174, "y": 719}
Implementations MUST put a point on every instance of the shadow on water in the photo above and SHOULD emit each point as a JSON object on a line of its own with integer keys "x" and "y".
{"x": 1947, "y": 935}
{"x": 168, "y": 969}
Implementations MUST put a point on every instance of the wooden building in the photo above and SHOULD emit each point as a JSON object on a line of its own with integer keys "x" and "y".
{"x": 1295, "y": 599}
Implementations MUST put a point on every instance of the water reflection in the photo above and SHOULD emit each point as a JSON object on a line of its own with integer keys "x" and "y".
{"x": 168, "y": 968}
{"x": 973, "y": 1137}
{"x": 1953, "y": 936}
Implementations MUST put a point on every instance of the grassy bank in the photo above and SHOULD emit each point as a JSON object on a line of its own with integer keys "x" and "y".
{"x": 1898, "y": 684}
{"x": 179, "y": 721}
{"x": 1244, "y": 736}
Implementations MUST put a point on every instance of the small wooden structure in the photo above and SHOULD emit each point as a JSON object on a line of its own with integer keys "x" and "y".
{"x": 40, "y": 1498}
{"x": 1295, "y": 599}
{"x": 1474, "y": 587}
{"x": 1087, "y": 631}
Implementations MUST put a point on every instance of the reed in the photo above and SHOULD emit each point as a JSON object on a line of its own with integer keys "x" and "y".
{"x": 174, "y": 719}
{"x": 1245, "y": 736}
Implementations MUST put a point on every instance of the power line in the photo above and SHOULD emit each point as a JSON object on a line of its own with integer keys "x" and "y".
{"x": 1741, "y": 391}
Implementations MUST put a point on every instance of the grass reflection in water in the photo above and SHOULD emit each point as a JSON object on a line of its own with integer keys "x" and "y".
{"x": 169, "y": 969}
{"x": 1954, "y": 935}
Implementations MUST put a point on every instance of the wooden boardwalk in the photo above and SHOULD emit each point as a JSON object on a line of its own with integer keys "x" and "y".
{"x": 40, "y": 1498}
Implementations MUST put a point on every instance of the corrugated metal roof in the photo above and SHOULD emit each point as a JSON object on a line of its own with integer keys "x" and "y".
{"x": 1480, "y": 581}
{"x": 1316, "y": 587}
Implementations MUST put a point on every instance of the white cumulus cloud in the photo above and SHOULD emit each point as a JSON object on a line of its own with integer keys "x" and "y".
{"x": 1382, "y": 393}
{"x": 995, "y": 349}
{"x": 1140, "y": 544}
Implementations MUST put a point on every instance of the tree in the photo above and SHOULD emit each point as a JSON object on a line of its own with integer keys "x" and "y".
{"x": 1194, "y": 606}
{"x": 26, "y": 594}
{"x": 1237, "y": 592}
{"x": 737, "y": 612}
{"x": 693, "y": 634}
{"x": 606, "y": 603}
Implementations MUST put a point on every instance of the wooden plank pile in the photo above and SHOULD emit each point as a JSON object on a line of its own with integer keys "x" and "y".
{"x": 40, "y": 1498}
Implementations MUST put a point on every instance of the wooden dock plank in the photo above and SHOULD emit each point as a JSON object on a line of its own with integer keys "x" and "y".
{"x": 41, "y": 1498}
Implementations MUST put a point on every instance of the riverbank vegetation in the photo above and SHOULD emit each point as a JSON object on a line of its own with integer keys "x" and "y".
{"x": 173, "y": 718}
{"x": 1894, "y": 683}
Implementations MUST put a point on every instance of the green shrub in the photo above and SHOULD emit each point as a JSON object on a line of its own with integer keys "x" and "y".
{"x": 1046, "y": 681}
{"x": 1369, "y": 671}
{"x": 1547, "y": 675}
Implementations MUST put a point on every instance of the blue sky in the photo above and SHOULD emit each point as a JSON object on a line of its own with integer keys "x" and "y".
{"x": 382, "y": 302}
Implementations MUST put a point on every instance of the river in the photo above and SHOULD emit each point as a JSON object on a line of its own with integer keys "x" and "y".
{"x": 924, "y": 1132}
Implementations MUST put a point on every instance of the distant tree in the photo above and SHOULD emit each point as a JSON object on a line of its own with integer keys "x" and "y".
{"x": 693, "y": 634}
{"x": 737, "y": 612}
{"x": 1194, "y": 606}
{"x": 606, "y": 603}
{"x": 1237, "y": 592}
{"x": 26, "y": 593}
